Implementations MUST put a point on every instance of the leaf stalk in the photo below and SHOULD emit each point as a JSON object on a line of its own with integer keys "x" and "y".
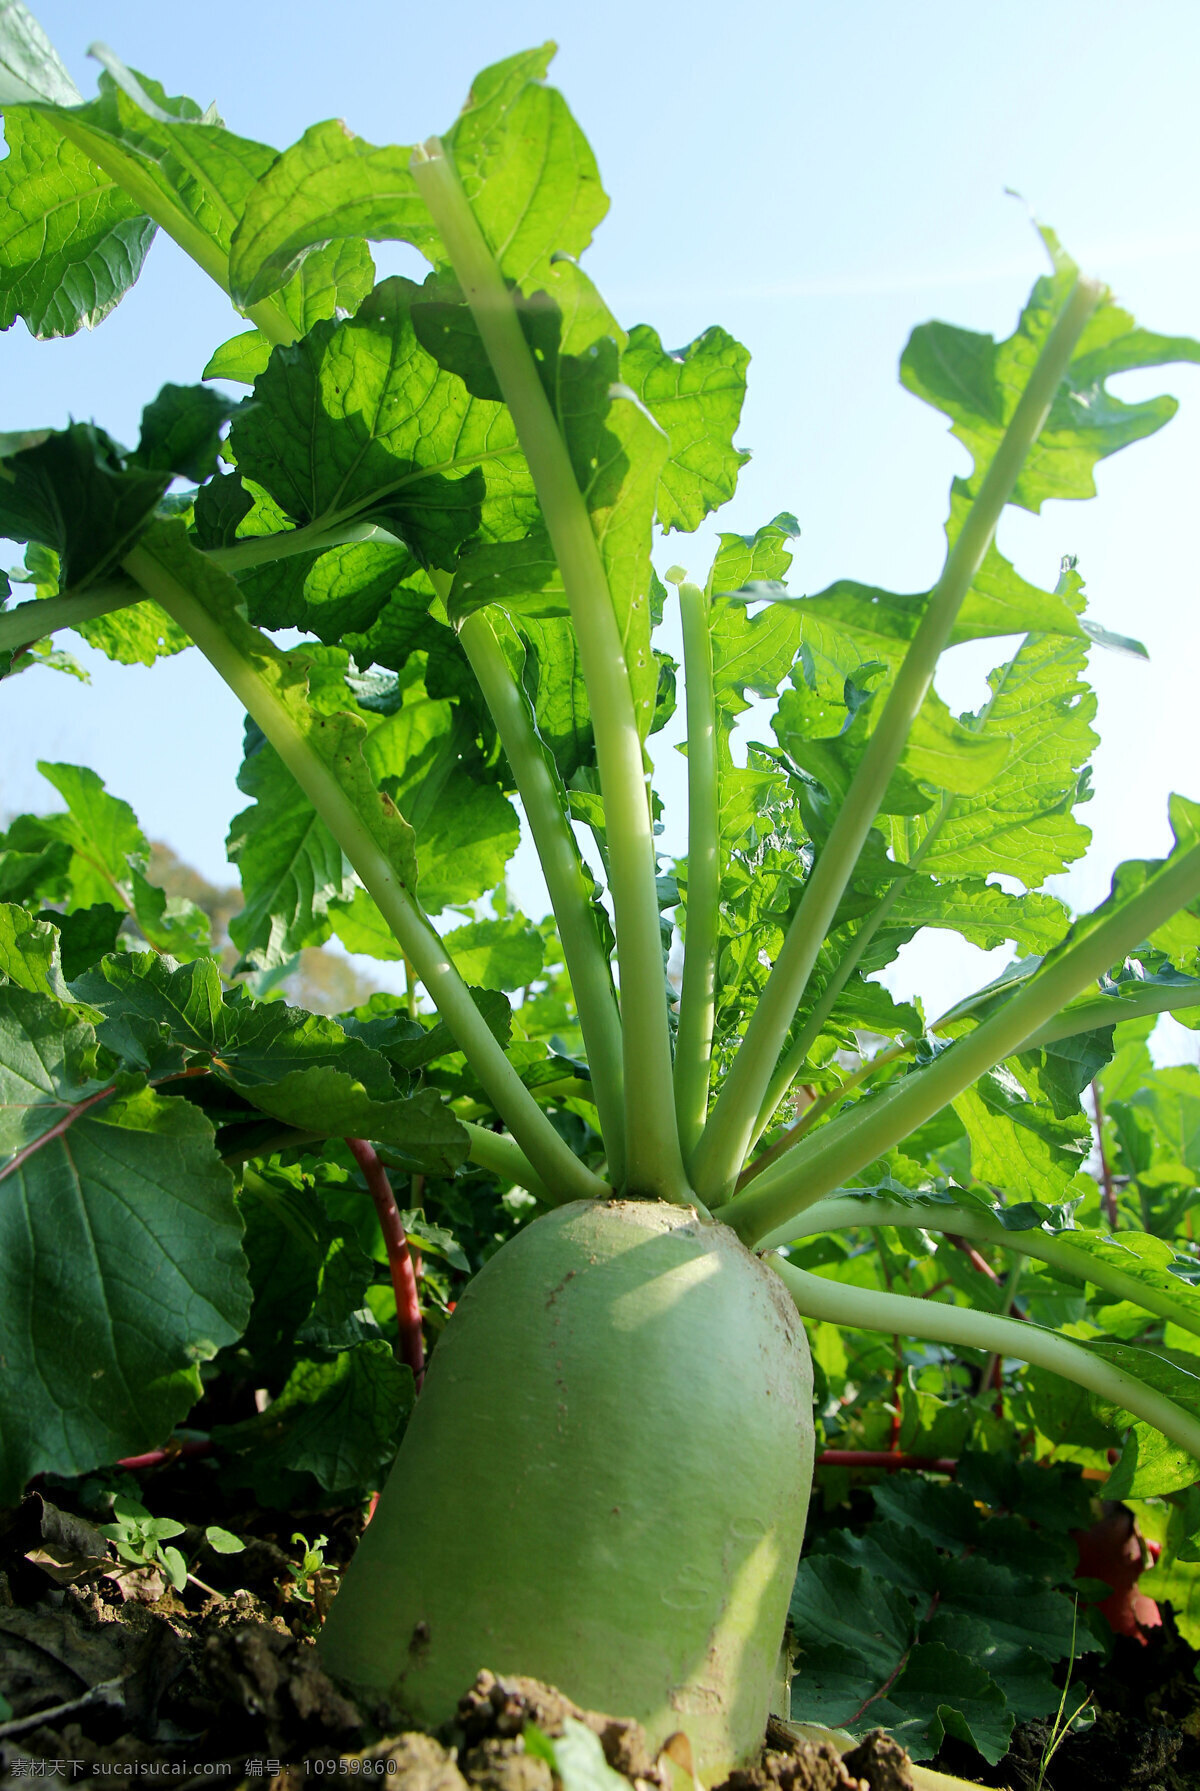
{"x": 653, "y": 1163}
{"x": 831, "y": 1156}
{"x": 732, "y": 1122}
{"x": 900, "y": 1315}
{"x": 551, "y": 1157}
{"x": 1057, "y": 1250}
{"x": 570, "y": 895}
{"x": 698, "y": 995}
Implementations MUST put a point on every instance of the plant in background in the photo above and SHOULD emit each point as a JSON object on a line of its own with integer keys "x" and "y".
{"x": 143, "y": 1541}
{"x": 451, "y": 490}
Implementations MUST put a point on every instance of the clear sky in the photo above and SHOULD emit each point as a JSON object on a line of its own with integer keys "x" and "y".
{"x": 816, "y": 177}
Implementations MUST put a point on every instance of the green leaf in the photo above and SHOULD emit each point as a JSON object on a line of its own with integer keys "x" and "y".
{"x": 100, "y": 831}
{"x": 339, "y": 1318}
{"x": 981, "y": 912}
{"x": 291, "y": 866}
{"x": 1149, "y": 1466}
{"x": 626, "y": 450}
{"x": 288, "y": 1241}
{"x": 853, "y": 1632}
{"x": 497, "y": 954}
{"x": 104, "y": 1193}
{"x": 521, "y": 576}
{"x": 72, "y": 242}
{"x": 300, "y": 1068}
{"x": 761, "y": 559}
{"x": 179, "y": 165}
{"x": 1172, "y": 1098}
{"x": 859, "y": 1667}
{"x": 696, "y": 396}
{"x": 1153, "y": 1263}
{"x": 172, "y": 924}
{"x": 1174, "y": 1578}
{"x": 331, "y": 184}
{"x": 30, "y": 66}
{"x": 181, "y": 431}
{"x": 223, "y": 1542}
{"x": 28, "y": 949}
{"x": 68, "y": 490}
{"x": 383, "y": 1025}
{"x": 527, "y": 169}
{"x": 338, "y": 1420}
{"x": 136, "y": 635}
{"x": 939, "y": 1694}
{"x": 251, "y": 1042}
{"x": 1022, "y": 824}
{"x": 579, "y": 1761}
{"x": 976, "y": 382}
{"x": 336, "y": 277}
{"x": 176, "y": 1567}
{"x": 330, "y": 1101}
{"x": 93, "y": 852}
{"x": 548, "y": 667}
{"x": 357, "y": 421}
{"x": 332, "y": 595}
{"x": 85, "y": 935}
{"x": 329, "y": 725}
{"x": 1174, "y": 1373}
{"x": 466, "y": 830}
{"x": 1017, "y": 1143}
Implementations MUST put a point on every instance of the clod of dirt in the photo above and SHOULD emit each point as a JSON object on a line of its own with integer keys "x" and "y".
{"x": 500, "y": 1708}
{"x": 278, "y": 1683}
{"x": 880, "y": 1762}
{"x": 794, "y": 1763}
{"x": 1115, "y": 1755}
{"x": 414, "y": 1762}
{"x": 808, "y": 1766}
{"x": 503, "y": 1765}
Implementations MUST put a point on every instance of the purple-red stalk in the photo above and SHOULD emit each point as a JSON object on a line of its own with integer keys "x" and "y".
{"x": 174, "y": 1451}
{"x": 1106, "y": 1177}
{"x": 890, "y": 1459}
{"x": 400, "y": 1262}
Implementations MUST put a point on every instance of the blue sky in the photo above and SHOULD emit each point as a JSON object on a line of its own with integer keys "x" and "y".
{"x": 817, "y": 178}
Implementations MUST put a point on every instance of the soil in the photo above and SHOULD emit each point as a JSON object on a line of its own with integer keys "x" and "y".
{"x": 1146, "y": 1736}
{"x": 110, "y": 1673}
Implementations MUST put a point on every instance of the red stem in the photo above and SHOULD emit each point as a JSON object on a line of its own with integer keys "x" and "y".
{"x": 404, "y": 1279}
{"x": 977, "y": 1262}
{"x": 55, "y": 1131}
{"x": 174, "y": 1451}
{"x": 891, "y": 1459}
{"x": 1110, "y": 1196}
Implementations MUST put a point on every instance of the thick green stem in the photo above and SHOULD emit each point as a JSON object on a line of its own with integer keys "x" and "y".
{"x": 652, "y": 1159}
{"x": 731, "y": 1124}
{"x": 126, "y": 169}
{"x": 566, "y": 881}
{"x": 793, "y": 1062}
{"x": 552, "y": 1159}
{"x": 32, "y": 621}
{"x": 1111, "y": 1010}
{"x": 503, "y": 1157}
{"x": 1057, "y": 1250}
{"x": 819, "y": 1108}
{"x": 314, "y": 537}
{"x": 898, "y": 1315}
{"x": 698, "y": 996}
{"x": 828, "y": 1158}
{"x": 992, "y": 1375}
